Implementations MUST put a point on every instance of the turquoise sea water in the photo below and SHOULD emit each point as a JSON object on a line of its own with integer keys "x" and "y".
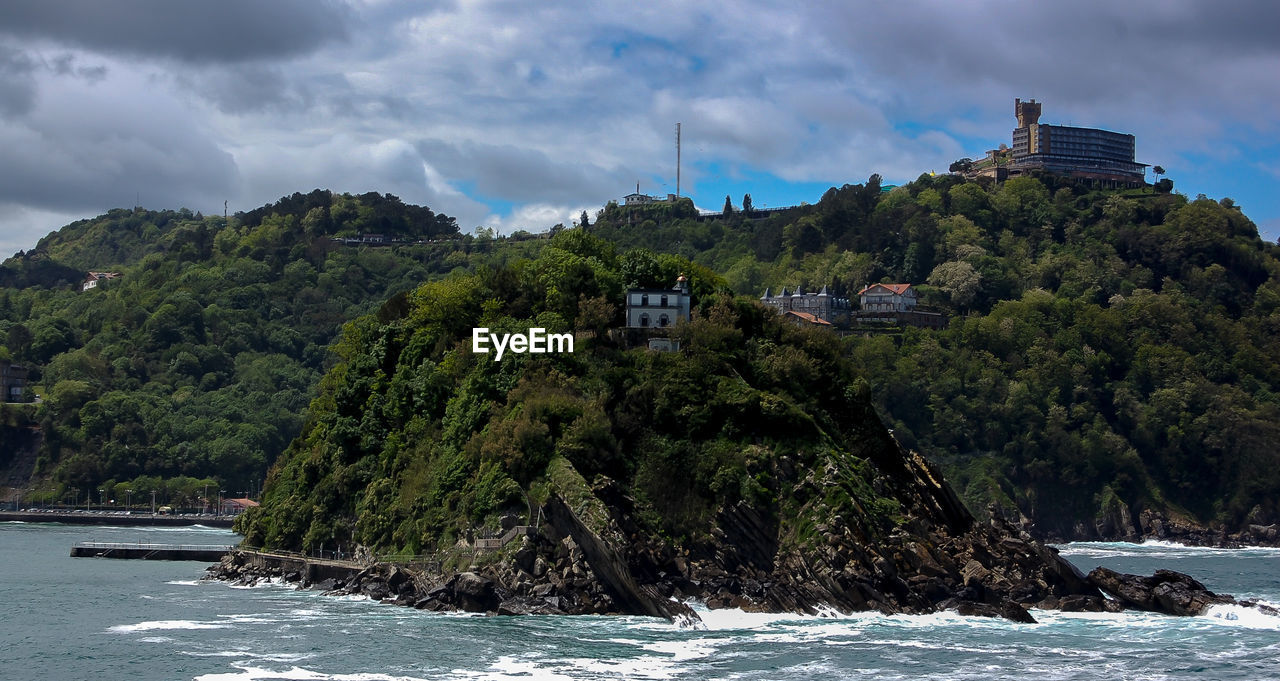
{"x": 65, "y": 618}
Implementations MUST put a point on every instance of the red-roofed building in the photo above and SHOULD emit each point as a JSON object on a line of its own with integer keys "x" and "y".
{"x": 237, "y": 506}
{"x": 805, "y": 318}
{"x": 888, "y": 298}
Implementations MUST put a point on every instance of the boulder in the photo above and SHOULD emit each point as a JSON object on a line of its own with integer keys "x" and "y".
{"x": 474, "y": 593}
{"x": 1166, "y": 591}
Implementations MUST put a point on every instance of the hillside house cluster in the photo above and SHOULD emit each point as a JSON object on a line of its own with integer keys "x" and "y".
{"x": 878, "y": 305}
{"x": 820, "y": 309}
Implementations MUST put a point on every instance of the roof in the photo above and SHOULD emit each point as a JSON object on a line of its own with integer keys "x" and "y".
{"x": 812, "y": 319}
{"x": 898, "y": 289}
{"x": 247, "y": 503}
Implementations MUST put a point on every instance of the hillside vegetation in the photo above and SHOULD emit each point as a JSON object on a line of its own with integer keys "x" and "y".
{"x": 1110, "y": 352}
{"x": 200, "y": 360}
{"x": 415, "y": 440}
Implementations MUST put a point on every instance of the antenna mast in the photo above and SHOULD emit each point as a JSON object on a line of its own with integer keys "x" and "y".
{"x": 677, "y": 160}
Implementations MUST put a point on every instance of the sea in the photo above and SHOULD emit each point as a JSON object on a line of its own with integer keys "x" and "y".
{"x": 103, "y": 619}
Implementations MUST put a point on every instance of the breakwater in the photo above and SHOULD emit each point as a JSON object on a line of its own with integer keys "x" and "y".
{"x": 134, "y": 520}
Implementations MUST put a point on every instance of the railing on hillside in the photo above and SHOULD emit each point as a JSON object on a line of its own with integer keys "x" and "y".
{"x": 495, "y": 543}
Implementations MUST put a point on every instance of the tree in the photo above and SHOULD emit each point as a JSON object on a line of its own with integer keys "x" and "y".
{"x": 1157, "y": 171}
{"x": 961, "y": 166}
{"x": 959, "y": 279}
{"x": 583, "y": 221}
{"x": 728, "y": 206}
{"x": 746, "y": 203}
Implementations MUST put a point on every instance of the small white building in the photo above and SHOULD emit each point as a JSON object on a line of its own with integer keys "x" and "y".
{"x": 658, "y": 308}
{"x": 888, "y": 298}
{"x": 93, "y": 278}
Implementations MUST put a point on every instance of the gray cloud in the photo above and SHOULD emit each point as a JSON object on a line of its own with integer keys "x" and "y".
{"x": 85, "y": 146}
{"x": 522, "y": 174}
{"x": 551, "y": 107}
{"x": 17, "y": 84}
{"x": 223, "y": 31}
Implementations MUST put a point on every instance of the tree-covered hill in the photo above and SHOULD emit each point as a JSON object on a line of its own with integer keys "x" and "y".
{"x": 745, "y": 469}
{"x": 200, "y": 359}
{"x": 1113, "y": 358}
{"x": 1110, "y": 352}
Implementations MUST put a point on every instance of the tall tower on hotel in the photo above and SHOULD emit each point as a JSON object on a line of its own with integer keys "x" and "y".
{"x": 1028, "y": 112}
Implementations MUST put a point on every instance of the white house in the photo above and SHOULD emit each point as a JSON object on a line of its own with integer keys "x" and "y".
{"x": 658, "y": 307}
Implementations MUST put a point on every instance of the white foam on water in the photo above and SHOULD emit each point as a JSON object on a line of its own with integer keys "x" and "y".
{"x": 251, "y": 673}
{"x": 511, "y": 667}
{"x": 246, "y": 654}
{"x": 1156, "y": 548}
{"x": 184, "y": 582}
{"x": 646, "y": 667}
{"x": 1129, "y": 619}
{"x": 729, "y": 619}
{"x": 1241, "y": 616}
{"x": 165, "y": 624}
{"x": 156, "y": 639}
{"x": 681, "y": 651}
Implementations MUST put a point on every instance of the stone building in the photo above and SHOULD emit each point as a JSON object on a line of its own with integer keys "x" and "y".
{"x": 822, "y": 305}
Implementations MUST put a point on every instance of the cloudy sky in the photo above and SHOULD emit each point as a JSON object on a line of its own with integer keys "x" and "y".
{"x": 516, "y": 114}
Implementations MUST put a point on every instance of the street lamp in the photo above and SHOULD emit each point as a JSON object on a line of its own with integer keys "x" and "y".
{"x": 128, "y": 497}
{"x": 102, "y": 491}
{"x": 220, "y": 493}
{"x": 153, "y": 502}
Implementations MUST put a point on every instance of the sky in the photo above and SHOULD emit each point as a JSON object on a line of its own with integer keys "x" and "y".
{"x": 518, "y": 115}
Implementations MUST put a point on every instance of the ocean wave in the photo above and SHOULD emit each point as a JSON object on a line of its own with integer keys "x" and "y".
{"x": 1241, "y": 616}
{"x": 166, "y": 624}
{"x": 249, "y": 672}
{"x": 1156, "y": 548}
{"x": 510, "y": 667}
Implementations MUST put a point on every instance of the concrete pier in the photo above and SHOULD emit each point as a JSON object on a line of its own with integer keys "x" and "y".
{"x": 193, "y": 552}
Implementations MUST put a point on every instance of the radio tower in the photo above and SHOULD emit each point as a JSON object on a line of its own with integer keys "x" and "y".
{"x": 677, "y": 160}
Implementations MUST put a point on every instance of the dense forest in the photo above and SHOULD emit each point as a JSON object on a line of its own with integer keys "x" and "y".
{"x": 416, "y": 440}
{"x": 199, "y": 361}
{"x": 1109, "y": 352}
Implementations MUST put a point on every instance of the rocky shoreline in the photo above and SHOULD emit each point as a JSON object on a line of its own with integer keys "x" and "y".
{"x": 551, "y": 573}
{"x": 870, "y": 528}
{"x": 1149, "y": 525}
{"x": 568, "y": 587}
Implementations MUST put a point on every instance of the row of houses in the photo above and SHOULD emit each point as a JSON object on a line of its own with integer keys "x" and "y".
{"x": 878, "y": 304}
{"x": 650, "y": 309}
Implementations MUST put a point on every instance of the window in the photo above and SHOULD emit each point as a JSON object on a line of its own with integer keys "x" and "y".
{"x": 663, "y": 320}
{"x": 644, "y": 300}
{"x": 644, "y": 320}
{"x": 664, "y": 301}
